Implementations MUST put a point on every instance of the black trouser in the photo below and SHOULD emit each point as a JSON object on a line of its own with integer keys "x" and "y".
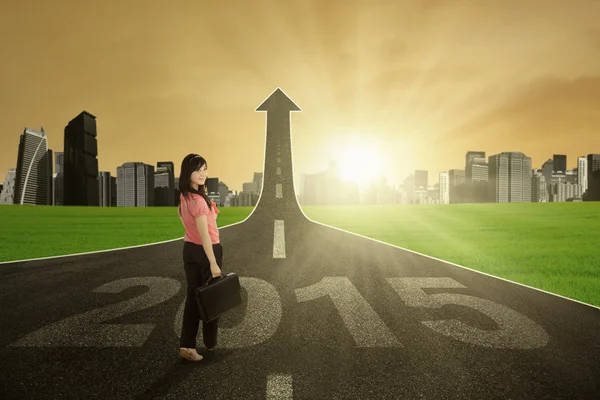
{"x": 197, "y": 272}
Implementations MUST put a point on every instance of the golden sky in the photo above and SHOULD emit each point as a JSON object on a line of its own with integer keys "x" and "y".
{"x": 425, "y": 80}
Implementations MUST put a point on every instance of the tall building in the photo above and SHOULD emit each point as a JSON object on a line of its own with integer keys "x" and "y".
{"x": 135, "y": 185}
{"x": 167, "y": 191}
{"x": 582, "y": 173}
{"x": 560, "y": 163}
{"x": 126, "y": 185}
{"x": 223, "y": 192}
{"x": 565, "y": 191}
{"x": 107, "y": 189}
{"x": 212, "y": 186}
{"x": 258, "y": 180}
{"x": 421, "y": 180}
{"x": 476, "y": 177}
{"x": 539, "y": 189}
{"x": 8, "y": 189}
{"x": 593, "y": 172}
{"x": 177, "y": 192}
{"x": 444, "y": 188}
{"x": 456, "y": 178}
{"x": 145, "y": 185}
{"x": 162, "y": 195}
{"x": 58, "y": 176}
{"x": 80, "y": 187}
{"x": 547, "y": 169}
{"x": 510, "y": 177}
{"x": 473, "y": 157}
{"x": 33, "y": 181}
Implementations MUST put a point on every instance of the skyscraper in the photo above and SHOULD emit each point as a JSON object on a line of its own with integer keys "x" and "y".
{"x": 258, "y": 180}
{"x": 33, "y": 180}
{"x": 163, "y": 196}
{"x": 135, "y": 185}
{"x": 444, "y": 188}
{"x": 539, "y": 191}
{"x": 8, "y": 189}
{"x": 510, "y": 178}
{"x": 547, "y": 169}
{"x": 80, "y": 187}
{"x": 560, "y": 163}
{"x": 593, "y": 172}
{"x": 477, "y": 157}
{"x": 582, "y": 173}
{"x": 107, "y": 189}
{"x": 145, "y": 185}
{"x": 169, "y": 188}
{"x": 456, "y": 178}
{"x": 59, "y": 162}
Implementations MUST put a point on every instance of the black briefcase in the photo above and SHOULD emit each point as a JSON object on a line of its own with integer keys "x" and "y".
{"x": 218, "y": 295}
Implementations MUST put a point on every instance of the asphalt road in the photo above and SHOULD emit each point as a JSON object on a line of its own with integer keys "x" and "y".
{"x": 326, "y": 315}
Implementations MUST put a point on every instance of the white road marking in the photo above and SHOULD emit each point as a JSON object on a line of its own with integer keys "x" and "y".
{"x": 363, "y": 323}
{"x": 279, "y": 240}
{"x": 87, "y": 329}
{"x": 278, "y": 159}
{"x": 515, "y": 330}
{"x": 261, "y": 321}
{"x": 279, "y": 387}
{"x": 278, "y": 191}
{"x": 278, "y": 170}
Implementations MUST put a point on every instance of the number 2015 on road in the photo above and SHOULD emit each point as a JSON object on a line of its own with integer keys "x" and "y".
{"x": 264, "y": 311}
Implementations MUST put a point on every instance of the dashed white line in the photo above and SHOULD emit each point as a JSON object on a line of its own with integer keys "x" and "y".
{"x": 279, "y": 387}
{"x": 278, "y": 170}
{"x": 279, "y": 240}
{"x": 278, "y": 191}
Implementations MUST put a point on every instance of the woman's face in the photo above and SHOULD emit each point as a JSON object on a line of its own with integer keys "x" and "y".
{"x": 199, "y": 176}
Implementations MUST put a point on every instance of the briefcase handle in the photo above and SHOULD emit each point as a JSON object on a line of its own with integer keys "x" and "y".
{"x": 213, "y": 280}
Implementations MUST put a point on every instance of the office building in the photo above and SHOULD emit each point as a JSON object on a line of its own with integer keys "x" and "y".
{"x": 107, "y": 189}
{"x": 582, "y": 173}
{"x": 80, "y": 186}
{"x": 135, "y": 185}
{"x": 565, "y": 191}
{"x": 593, "y": 172}
{"x": 166, "y": 195}
{"x": 58, "y": 178}
{"x": 473, "y": 157}
{"x": 444, "y": 188}
{"x": 7, "y": 194}
{"x": 456, "y": 178}
{"x": 547, "y": 170}
{"x": 33, "y": 180}
{"x": 559, "y": 162}
{"x": 510, "y": 178}
{"x": 539, "y": 188}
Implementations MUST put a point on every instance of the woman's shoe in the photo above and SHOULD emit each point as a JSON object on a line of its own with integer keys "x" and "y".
{"x": 188, "y": 354}
{"x": 209, "y": 355}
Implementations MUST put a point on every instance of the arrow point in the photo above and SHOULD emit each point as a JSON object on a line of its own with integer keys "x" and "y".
{"x": 278, "y": 100}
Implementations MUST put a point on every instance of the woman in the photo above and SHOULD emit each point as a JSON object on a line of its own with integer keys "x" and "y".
{"x": 202, "y": 252}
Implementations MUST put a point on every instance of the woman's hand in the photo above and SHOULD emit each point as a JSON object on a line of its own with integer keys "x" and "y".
{"x": 215, "y": 270}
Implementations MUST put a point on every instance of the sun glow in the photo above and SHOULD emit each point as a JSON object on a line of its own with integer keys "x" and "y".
{"x": 359, "y": 160}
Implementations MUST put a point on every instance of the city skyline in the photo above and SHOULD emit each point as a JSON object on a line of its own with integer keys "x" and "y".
{"x": 569, "y": 163}
{"x": 502, "y": 177}
{"x": 175, "y": 81}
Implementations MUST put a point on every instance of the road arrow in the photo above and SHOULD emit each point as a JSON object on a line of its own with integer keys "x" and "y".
{"x": 278, "y": 194}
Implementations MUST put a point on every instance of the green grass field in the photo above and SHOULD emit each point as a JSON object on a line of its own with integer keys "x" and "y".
{"x": 551, "y": 246}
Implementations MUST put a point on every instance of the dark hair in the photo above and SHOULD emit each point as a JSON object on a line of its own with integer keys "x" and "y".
{"x": 192, "y": 162}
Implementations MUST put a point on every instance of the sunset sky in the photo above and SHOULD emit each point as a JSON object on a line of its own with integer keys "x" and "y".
{"x": 425, "y": 81}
